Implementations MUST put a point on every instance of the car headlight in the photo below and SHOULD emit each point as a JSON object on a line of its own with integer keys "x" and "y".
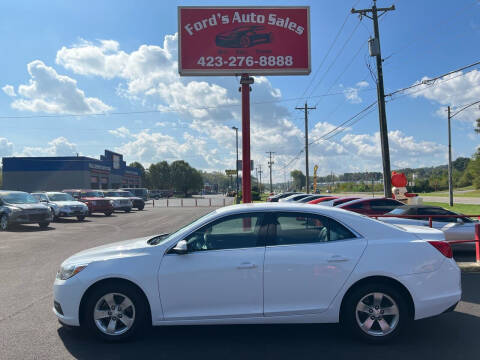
{"x": 66, "y": 272}
{"x": 15, "y": 209}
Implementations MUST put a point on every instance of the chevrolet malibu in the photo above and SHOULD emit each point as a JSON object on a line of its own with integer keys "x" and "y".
{"x": 263, "y": 263}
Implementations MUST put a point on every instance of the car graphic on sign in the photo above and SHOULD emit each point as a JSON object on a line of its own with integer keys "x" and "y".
{"x": 243, "y": 37}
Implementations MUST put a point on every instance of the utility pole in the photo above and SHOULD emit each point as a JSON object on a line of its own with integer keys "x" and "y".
{"x": 260, "y": 175}
{"x": 270, "y": 163}
{"x": 450, "y": 183}
{"x": 305, "y": 109}
{"x": 374, "y": 47}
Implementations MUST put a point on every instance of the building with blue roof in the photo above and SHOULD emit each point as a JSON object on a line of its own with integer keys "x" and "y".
{"x": 69, "y": 172}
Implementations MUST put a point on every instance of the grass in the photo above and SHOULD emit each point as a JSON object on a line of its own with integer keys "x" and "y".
{"x": 467, "y": 209}
{"x": 464, "y": 192}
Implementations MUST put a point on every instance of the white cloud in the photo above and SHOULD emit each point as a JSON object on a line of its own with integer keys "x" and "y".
{"x": 6, "y": 147}
{"x": 351, "y": 93}
{"x": 57, "y": 147}
{"x": 49, "y": 92}
{"x": 9, "y": 90}
{"x": 121, "y": 132}
{"x": 456, "y": 90}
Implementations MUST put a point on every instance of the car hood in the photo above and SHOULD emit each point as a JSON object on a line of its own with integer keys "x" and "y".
{"x": 29, "y": 206}
{"x": 122, "y": 249}
{"x": 134, "y": 198}
{"x": 68, "y": 203}
{"x": 93, "y": 198}
{"x": 116, "y": 198}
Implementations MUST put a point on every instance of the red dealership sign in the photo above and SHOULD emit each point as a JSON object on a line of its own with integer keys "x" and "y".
{"x": 238, "y": 40}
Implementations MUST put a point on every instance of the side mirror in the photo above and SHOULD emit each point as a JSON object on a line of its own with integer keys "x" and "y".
{"x": 460, "y": 221}
{"x": 180, "y": 248}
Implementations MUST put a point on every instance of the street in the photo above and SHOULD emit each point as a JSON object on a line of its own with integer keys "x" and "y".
{"x": 29, "y": 259}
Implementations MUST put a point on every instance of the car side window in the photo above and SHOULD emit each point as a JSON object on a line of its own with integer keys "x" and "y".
{"x": 304, "y": 228}
{"x": 231, "y": 232}
{"x": 434, "y": 211}
{"x": 384, "y": 205}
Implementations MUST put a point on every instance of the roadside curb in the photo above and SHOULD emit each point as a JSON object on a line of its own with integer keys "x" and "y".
{"x": 469, "y": 266}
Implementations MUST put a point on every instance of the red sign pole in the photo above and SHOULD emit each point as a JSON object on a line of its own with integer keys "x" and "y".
{"x": 245, "y": 81}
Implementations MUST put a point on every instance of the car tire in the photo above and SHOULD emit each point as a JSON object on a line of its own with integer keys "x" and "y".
{"x": 4, "y": 222}
{"x": 115, "y": 324}
{"x": 141, "y": 207}
{"x": 108, "y": 213}
{"x": 364, "y": 312}
{"x": 43, "y": 225}
{"x": 80, "y": 218}
{"x": 128, "y": 210}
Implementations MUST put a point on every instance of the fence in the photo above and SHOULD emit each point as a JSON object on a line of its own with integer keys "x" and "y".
{"x": 476, "y": 239}
{"x": 193, "y": 202}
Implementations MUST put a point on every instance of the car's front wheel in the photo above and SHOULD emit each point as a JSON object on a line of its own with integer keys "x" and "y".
{"x": 108, "y": 213}
{"x": 375, "y": 312}
{"x": 43, "y": 225}
{"x": 115, "y": 312}
{"x": 81, "y": 218}
{"x": 4, "y": 222}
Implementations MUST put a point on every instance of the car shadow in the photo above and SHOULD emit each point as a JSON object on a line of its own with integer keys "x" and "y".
{"x": 327, "y": 341}
{"x": 28, "y": 228}
{"x": 71, "y": 221}
{"x": 100, "y": 215}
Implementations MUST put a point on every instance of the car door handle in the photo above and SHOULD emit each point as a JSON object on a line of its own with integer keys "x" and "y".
{"x": 337, "y": 258}
{"x": 246, "y": 265}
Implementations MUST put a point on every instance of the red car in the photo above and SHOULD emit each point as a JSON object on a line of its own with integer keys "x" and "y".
{"x": 94, "y": 200}
{"x": 371, "y": 206}
{"x": 320, "y": 200}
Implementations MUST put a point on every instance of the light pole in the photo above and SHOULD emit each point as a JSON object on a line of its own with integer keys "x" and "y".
{"x": 236, "y": 164}
{"x": 450, "y": 182}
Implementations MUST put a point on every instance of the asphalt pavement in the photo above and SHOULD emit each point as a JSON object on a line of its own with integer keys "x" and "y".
{"x": 30, "y": 257}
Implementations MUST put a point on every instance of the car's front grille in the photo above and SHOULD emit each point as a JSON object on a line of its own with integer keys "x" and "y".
{"x": 37, "y": 217}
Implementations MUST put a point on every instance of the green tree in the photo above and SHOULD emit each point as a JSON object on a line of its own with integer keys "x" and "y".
{"x": 159, "y": 176}
{"x": 474, "y": 169}
{"x": 185, "y": 178}
{"x": 298, "y": 179}
{"x": 143, "y": 174}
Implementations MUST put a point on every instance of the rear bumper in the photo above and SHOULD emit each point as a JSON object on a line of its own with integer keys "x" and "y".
{"x": 435, "y": 292}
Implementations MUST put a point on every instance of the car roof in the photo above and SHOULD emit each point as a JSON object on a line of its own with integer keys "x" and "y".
{"x": 5, "y": 192}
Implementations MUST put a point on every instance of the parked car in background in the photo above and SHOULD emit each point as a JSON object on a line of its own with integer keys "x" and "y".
{"x": 316, "y": 265}
{"x": 158, "y": 194}
{"x": 18, "y": 207}
{"x": 41, "y": 197}
{"x": 137, "y": 202}
{"x": 94, "y": 200}
{"x": 140, "y": 192}
{"x": 321, "y": 200}
{"x": 371, "y": 206}
{"x": 119, "y": 201}
{"x": 338, "y": 201}
{"x": 294, "y": 198}
{"x": 64, "y": 204}
{"x": 454, "y": 228}
{"x": 276, "y": 198}
{"x": 311, "y": 198}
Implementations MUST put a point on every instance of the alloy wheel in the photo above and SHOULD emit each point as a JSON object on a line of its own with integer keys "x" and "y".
{"x": 4, "y": 222}
{"x": 377, "y": 314}
{"x": 114, "y": 314}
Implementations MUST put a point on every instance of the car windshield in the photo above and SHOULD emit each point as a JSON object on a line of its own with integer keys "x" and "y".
{"x": 125, "y": 194}
{"x": 93, "y": 194}
{"x": 60, "y": 197}
{"x": 18, "y": 198}
{"x": 114, "y": 194}
{"x": 165, "y": 237}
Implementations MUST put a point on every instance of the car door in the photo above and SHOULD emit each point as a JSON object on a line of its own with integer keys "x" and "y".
{"x": 221, "y": 276}
{"x": 308, "y": 258}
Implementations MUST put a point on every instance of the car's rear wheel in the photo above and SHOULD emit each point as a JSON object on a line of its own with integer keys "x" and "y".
{"x": 115, "y": 312}
{"x": 141, "y": 207}
{"x": 375, "y": 312}
{"x": 108, "y": 213}
{"x": 4, "y": 222}
{"x": 80, "y": 218}
{"x": 128, "y": 210}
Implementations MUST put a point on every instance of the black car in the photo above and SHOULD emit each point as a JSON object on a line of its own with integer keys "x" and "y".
{"x": 275, "y": 198}
{"x": 243, "y": 37}
{"x": 18, "y": 207}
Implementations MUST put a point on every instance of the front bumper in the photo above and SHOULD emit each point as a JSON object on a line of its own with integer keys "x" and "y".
{"x": 72, "y": 213}
{"x": 67, "y": 295}
{"x": 25, "y": 218}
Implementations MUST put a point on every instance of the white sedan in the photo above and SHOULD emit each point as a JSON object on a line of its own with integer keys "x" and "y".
{"x": 258, "y": 264}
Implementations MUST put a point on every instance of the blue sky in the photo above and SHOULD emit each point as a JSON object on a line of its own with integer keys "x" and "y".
{"x": 84, "y": 57}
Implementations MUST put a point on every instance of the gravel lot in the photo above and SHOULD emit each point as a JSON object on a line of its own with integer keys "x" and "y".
{"x": 29, "y": 259}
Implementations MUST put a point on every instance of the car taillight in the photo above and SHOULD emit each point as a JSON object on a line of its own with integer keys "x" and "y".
{"x": 443, "y": 247}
